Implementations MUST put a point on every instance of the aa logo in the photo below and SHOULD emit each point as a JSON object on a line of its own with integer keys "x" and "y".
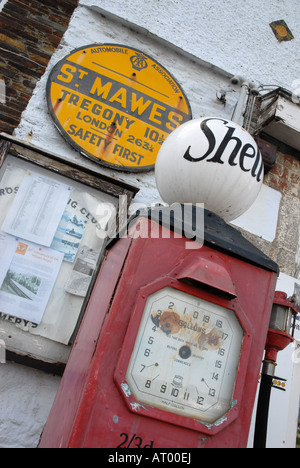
{"x": 139, "y": 61}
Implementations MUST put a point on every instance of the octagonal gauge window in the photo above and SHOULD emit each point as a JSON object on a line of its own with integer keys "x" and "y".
{"x": 186, "y": 356}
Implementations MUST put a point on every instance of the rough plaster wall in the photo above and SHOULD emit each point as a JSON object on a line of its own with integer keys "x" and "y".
{"x": 26, "y": 396}
{"x": 221, "y": 32}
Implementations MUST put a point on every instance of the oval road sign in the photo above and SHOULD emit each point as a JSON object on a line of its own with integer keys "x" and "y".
{"x": 115, "y": 105}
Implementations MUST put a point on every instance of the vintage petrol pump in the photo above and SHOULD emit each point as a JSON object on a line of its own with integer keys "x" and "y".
{"x": 170, "y": 349}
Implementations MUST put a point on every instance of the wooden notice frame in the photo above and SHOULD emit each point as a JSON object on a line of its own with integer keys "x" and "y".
{"x": 36, "y": 344}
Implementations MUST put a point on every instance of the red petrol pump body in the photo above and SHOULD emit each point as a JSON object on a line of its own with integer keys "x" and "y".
{"x": 169, "y": 351}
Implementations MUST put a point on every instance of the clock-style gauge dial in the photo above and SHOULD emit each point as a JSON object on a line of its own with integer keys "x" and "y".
{"x": 186, "y": 356}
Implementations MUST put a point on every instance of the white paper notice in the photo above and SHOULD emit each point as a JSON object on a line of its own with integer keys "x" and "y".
{"x": 83, "y": 270}
{"x": 29, "y": 281}
{"x": 8, "y": 246}
{"x": 37, "y": 209}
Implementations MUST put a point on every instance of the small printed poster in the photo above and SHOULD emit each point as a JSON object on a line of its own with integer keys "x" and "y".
{"x": 37, "y": 209}
{"x": 83, "y": 270}
{"x": 8, "y": 246}
{"x": 29, "y": 280}
{"x": 69, "y": 234}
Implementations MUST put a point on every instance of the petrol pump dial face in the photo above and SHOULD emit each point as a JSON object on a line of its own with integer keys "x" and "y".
{"x": 186, "y": 356}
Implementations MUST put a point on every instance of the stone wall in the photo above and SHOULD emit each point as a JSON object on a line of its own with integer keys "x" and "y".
{"x": 284, "y": 178}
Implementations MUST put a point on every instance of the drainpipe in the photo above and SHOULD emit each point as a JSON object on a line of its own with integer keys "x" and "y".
{"x": 237, "y": 113}
{"x": 246, "y": 87}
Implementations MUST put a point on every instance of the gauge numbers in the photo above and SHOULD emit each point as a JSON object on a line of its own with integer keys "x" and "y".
{"x": 186, "y": 356}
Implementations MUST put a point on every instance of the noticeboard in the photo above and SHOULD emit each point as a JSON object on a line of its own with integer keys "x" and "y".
{"x": 55, "y": 219}
{"x": 115, "y": 105}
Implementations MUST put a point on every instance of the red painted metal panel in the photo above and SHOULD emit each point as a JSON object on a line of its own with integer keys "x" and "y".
{"x": 76, "y": 378}
{"x": 207, "y": 270}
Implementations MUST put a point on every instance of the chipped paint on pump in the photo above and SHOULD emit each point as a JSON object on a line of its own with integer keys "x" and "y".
{"x": 136, "y": 406}
{"x": 224, "y": 418}
{"x": 221, "y": 420}
{"x": 126, "y": 389}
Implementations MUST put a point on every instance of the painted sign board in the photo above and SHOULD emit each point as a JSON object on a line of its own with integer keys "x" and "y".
{"x": 115, "y": 105}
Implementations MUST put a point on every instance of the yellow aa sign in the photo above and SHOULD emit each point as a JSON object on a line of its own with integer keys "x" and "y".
{"x": 115, "y": 105}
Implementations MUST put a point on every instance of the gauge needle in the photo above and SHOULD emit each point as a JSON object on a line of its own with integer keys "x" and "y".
{"x": 151, "y": 365}
{"x": 203, "y": 380}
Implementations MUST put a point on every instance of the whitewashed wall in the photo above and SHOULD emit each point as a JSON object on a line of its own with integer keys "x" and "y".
{"x": 234, "y": 36}
{"x": 26, "y": 397}
{"x": 202, "y": 44}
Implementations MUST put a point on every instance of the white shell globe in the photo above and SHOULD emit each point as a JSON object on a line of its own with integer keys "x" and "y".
{"x": 212, "y": 161}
